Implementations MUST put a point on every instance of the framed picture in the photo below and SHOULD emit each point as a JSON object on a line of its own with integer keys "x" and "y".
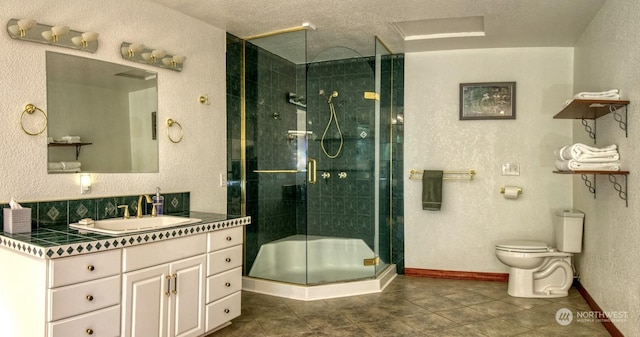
{"x": 492, "y": 100}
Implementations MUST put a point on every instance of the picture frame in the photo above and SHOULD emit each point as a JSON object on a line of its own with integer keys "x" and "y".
{"x": 488, "y": 100}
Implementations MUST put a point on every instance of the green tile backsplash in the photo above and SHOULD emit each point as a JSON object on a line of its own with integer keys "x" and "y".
{"x": 62, "y": 212}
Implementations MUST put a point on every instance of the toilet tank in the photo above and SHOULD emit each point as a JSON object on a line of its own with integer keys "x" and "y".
{"x": 568, "y": 227}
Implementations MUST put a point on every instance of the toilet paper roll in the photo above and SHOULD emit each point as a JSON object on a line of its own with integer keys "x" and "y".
{"x": 512, "y": 192}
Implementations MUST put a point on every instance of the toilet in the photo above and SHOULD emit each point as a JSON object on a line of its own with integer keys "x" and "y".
{"x": 537, "y": 270}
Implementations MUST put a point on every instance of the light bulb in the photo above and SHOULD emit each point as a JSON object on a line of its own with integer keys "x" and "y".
{"x": 179, "y": 59}
{"x": 26, "y": 24}
{"x": 15, "y": 30}
{"x": 158, "y": 53}
{"x": 167, "y": 61}
{"x": 89, "y": 36}
{"x": 47, "y": 35}
{"x": 77, "y": 40}
{"x": 58, "y": 31}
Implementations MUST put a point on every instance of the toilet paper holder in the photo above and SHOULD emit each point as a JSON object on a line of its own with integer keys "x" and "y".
{"x": 502, "y": 189}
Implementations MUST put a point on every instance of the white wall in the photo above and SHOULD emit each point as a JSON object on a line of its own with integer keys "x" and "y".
{"x": 474, "y": 214}
{"x": 606, "y": 56}
{"x": 193, "y": 165}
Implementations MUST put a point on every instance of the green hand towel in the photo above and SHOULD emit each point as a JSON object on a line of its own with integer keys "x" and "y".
{"x": 431, "y": 190}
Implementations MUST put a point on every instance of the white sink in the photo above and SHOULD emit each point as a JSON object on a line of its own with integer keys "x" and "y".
{"x": 120, "y": 226}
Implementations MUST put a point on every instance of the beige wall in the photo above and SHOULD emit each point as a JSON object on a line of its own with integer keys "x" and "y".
{"x": 193, "y": 165}
{"x": 606, "y": 57}
{"x": 474, "y": 214}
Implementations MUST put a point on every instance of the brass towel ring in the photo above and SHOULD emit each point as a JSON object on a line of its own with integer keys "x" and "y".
{"x": 170, "y": 123}
{"x": 30, "y": 109}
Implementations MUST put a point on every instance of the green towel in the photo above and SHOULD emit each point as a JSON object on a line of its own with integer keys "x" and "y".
{"x": 431, "y": 190}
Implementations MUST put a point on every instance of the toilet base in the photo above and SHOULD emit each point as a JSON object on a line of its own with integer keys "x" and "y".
{"x": 551, "y": 280}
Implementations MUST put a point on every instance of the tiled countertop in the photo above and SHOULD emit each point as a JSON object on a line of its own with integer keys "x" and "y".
{"x": 61, "y": 241}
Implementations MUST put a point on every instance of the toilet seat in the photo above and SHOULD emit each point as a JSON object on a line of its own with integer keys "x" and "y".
{"x": 523, "y": 246}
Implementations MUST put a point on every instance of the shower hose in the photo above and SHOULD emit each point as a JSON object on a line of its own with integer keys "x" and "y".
{"x": 324, "y": 135}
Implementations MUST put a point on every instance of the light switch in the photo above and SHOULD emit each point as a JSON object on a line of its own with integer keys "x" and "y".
{"x": 510, "y": 169}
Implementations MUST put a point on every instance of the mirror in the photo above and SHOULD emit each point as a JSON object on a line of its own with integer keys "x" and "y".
{"x": 101, "y": 116}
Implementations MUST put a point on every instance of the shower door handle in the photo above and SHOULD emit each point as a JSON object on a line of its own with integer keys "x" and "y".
{"x": 311, "y": 171}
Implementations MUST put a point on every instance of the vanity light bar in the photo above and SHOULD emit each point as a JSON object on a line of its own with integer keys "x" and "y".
{"x": 58, "y": 35}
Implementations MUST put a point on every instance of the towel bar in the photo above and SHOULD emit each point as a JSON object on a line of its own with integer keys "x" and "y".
{"x": 448, "y": 175}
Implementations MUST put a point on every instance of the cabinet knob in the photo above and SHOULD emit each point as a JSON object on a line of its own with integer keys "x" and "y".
{"x": 89, "y": 331}
{"x": 228, "y": 238}
{"x": 226, "y": 311}
{"x": 91, "y": 267}
{"x": 227, "y": 284}
{"x": 89, "y": 298}
{"x": 228, "y": 259}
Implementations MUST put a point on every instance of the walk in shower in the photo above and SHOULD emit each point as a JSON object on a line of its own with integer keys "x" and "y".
{"x": 314, "y": 157}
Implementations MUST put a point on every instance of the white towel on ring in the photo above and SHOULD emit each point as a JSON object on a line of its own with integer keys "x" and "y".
{"x": 574, "y": 165}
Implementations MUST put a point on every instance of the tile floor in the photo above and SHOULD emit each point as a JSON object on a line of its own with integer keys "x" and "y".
{"x": 413, "y": 306}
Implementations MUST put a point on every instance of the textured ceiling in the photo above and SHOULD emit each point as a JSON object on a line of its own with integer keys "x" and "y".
{"x": 355, "y": 23}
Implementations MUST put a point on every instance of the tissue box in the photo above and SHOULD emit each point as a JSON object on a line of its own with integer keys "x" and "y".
{"x": 17, "y": 220}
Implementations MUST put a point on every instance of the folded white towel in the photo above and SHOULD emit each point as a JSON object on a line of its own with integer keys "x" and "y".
{"x": 582, "y": 152}
{"x": 64, "y": 165}
{"x": 608, "y": 93}
{"x": 71, "y": 139}
{"x": 574, "y": 165}
{"x": 65, "y": 171}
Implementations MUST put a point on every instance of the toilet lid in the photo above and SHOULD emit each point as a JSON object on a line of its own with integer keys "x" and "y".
{"x": 523, "y": 246}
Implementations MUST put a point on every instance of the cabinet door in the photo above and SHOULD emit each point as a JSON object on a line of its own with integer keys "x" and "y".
{"x": 145, "y": 302}
{"x": 186, "y": 316}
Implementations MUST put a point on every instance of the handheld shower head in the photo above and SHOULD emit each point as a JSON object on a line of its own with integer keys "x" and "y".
{"x": 333, "y": 94}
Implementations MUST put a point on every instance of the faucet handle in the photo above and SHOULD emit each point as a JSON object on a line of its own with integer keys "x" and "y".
{"x": 154, "y": 209}
{"x": 126, "y": 210}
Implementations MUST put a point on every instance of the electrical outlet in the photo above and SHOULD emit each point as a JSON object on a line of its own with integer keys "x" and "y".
{"x": 223, "y": 180}
{"x": 510, "y": 169}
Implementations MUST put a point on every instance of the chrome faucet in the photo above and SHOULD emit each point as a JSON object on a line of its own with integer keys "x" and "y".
{"x": 139, "y": 208}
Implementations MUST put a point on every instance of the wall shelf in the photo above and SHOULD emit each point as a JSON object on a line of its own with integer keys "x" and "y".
{"x": 620, "y": 188}
{"x": 586, "y": 109}
{"x": 78, "y": 146}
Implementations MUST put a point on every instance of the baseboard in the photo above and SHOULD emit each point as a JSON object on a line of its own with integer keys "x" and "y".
{"x": 606, "y": 322}
{"x": 457, "y": 275}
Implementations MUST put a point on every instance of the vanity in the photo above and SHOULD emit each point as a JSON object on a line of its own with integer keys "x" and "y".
{"x": 179, "y": 281}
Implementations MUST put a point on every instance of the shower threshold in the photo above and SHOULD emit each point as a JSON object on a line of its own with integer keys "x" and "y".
{"x": 320, "y": 291}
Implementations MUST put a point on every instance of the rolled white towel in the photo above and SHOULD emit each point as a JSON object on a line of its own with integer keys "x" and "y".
{"x": 574, "y": 165}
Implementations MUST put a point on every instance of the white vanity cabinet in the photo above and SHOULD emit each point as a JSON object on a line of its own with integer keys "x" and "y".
{"x": 163, "y": 288}
{"x": 182, "y": 283}
{"x": 224, "y": 277}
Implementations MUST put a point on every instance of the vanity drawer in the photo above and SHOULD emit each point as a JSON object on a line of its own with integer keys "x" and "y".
{"x": 225, "y": 238}
{"x": 81, "y": 268}
{"x": 153, "y": 254}
{"x": 224, "y": 284}
{"x": 223, "y": 260}
{"x": 222, "y": 311}
{"x": 100, "y": 323}
{"x": 84, "y": 297}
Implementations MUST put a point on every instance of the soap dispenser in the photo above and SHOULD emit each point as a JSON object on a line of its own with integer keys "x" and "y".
{"x": 158, "y": 202}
